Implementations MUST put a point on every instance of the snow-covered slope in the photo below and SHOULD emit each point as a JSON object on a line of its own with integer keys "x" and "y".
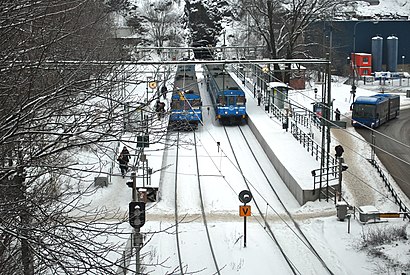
{"x": 386, "y": 9}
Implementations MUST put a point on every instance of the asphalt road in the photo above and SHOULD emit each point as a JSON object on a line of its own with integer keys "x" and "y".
{"x": 398, "y": 129}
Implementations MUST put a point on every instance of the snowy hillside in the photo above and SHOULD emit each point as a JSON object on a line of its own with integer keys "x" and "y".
{"x": 386, "y": 9}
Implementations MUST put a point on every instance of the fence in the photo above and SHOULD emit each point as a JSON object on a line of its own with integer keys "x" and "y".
{"x": 402, "y": 206}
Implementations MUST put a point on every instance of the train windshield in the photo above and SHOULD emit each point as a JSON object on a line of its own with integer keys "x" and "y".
{"x": 240, "y": 100}
{"x": 230, "y": 100}
{"x": 196, "y": 103}
{"x": 221, "y": 100}
{"x": 364, "y": 110}
{"x": 185, "y": 104}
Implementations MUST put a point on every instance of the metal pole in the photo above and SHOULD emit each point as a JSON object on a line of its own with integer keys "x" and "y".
{"x": 339, "y": 159}
{"x": 244, "y": 231}
{"x": 373, "y": 144}
{"x": 134, "y": 186}
{"x": 354, "y": 53}
{"x": 137, "y": 252}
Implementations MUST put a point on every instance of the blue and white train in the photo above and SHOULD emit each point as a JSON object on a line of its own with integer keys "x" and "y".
{"x": 186, "y": 104}
{"x": 228, "y": 99}
{"x": 375, "y": 110}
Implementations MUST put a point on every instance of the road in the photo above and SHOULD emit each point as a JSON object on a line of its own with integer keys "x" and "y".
{"x": 398, "y": 129}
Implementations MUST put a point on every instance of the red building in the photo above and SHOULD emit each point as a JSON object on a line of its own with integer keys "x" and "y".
{"x": 362, "y": 63}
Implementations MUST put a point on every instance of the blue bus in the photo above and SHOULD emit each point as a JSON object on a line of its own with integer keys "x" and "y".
{"x": 373, "y": 111}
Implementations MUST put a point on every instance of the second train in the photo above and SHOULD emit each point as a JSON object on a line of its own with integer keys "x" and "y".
{"x": 227, "y": 97}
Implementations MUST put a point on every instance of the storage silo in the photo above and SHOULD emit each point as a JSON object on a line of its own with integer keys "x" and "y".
{"x": 377, "y": 53}
{"x": 392, "y": 52}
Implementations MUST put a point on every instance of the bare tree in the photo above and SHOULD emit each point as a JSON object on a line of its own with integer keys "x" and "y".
{"x": 56, "y": 100}
{"x": 160, "y": 20}
{"x": 282, "y": 24}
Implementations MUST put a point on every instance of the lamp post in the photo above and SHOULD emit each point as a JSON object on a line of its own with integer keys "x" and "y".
{"x": 402, "y": 62}
{"x": 354, "y": 55}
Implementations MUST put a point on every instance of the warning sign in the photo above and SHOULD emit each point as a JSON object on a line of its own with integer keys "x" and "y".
{"x": 244, "y": 210}
{"x": 152, "y": 84}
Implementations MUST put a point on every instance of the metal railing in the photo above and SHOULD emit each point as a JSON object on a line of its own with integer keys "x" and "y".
{"x": 397, "y": 199}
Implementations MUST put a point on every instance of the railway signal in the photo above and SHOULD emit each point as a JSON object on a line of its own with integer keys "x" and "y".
{"x": 137, "y": 214}
{"x": 245, "y": 196}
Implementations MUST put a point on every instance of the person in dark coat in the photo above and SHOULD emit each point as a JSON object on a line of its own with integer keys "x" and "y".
{"x": 259, "y": 98}
{"x": 337, "y": 114}
{"x": 123, "y": 164}
{"x": 123, "y": 160}
{"x": 164, "y": 91}
{"x": 126, "y": 154}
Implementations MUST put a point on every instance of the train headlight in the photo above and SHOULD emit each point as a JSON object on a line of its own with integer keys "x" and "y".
{"x": 226, "y": 113}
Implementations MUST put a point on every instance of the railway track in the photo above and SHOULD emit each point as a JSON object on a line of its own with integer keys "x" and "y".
{"x": 294, "y": 227}
{"x": 203, "y": 214}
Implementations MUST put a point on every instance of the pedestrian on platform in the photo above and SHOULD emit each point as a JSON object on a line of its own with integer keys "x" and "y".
{"x": 164, "y": 91}
{"x": 259, "y": 98}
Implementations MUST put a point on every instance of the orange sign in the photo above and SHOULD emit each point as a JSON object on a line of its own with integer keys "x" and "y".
{"x": 389, "y": 215}
{"x": 152, "y": 84}
{"x": 244, "y": 210}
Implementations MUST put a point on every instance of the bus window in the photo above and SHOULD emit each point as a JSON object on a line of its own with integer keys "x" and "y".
{"x": 363, "y": 110}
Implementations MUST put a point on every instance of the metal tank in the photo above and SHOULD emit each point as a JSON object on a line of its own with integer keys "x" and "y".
{"x": 392, "y": 53}
{"x": 377, "y": 53}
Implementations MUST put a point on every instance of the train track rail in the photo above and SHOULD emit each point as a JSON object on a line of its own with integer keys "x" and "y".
{"x": 177, "y": 217}
{"x": 297, "y": 230}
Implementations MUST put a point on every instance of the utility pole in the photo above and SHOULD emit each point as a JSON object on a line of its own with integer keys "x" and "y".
{"x": 328, "y": 116}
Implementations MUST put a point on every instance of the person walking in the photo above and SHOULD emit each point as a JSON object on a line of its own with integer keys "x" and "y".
{"x": 123, "y": 164}
{"x": 164, "y": 91}
{"x": 123, "y": 160}
{"x": 259, "y": 98}
{"x": 157, "y": 108}
{"x": 126, "y": 154}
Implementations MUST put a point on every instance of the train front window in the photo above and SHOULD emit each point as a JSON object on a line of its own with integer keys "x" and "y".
{"x": 221, "y": 100}
{"x": 196, "y": 103}
{"x": 364, "y": 110}
{"x": 187, "y": 106}
{"x": 240, "y": 100}
{"x": 175, "y": 104}
{"x": 230, "y": 100}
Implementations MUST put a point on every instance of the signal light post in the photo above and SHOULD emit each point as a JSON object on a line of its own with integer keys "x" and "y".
{"x": 136, "y": 218}
{"x": 245, "y": 196}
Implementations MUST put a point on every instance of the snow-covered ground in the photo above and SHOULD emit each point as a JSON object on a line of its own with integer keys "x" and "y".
{"x": 221, "y": 183}
{"x": 384, "y": 8}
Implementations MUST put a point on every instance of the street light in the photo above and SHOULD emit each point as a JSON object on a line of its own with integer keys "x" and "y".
{"x": 402, "y": 62}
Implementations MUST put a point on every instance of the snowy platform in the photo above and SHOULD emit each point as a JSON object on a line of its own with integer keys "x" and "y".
{"x": 280, "y": 146}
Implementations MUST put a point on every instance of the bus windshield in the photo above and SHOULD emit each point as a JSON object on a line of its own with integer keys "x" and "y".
{"x": 364, "y": 110}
